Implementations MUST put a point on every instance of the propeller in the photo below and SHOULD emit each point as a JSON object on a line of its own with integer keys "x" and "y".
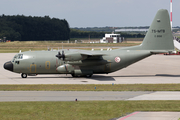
{"x": 59, "y": 55}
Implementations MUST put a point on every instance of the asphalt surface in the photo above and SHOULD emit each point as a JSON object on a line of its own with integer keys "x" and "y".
{"x": 87, "y": 95}
{"x": 155, "y": 69}
{"x": 151, "y": 116}
{"x": 66, "y": 95}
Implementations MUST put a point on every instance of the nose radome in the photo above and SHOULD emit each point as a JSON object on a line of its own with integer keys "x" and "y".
{"x": 8, "y": 66}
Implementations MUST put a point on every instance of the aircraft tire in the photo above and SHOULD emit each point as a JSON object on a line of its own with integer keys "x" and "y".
{"x": 73, "y": 75}
{"x": 23, "y": 75}
{"x": 88, "y": 76}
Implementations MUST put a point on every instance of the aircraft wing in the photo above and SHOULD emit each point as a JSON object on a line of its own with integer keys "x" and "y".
{"x": 90, "y": 58}
{"x": 89, "y": 53}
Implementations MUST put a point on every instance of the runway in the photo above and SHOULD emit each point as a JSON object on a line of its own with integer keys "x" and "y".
{"x": 7, "y": 96}
{"x": 156, "y": 69}
{"x": 151, "y": 116}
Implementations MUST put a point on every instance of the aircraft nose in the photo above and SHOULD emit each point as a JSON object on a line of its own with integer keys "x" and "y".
{"x": 8, "y": 66}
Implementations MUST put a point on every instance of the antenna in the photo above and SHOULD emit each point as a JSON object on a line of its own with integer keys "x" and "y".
{"x": 171, "y": 13}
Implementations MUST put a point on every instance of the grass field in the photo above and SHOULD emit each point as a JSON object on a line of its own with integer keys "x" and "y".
{"x": 87, "y": 87}
{"x": 80, "y": 110}
{"x": 14, "y": 47}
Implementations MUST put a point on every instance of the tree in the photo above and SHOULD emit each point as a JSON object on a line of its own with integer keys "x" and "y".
{"x": 25, "y": 28}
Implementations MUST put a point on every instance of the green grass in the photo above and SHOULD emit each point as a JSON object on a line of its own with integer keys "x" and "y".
{"x": 84, "y": 110}
{"x": 80, "y": 110}
{"x": 91, "y": 87}
{"x": 14, "y": 47}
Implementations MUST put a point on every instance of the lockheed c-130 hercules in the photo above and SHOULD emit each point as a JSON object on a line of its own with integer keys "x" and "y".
{"x": 76, "y": 62}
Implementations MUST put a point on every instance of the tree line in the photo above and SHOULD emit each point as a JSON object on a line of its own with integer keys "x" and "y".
{"x": 28, "y": 28}
{"x": 25, "y": 28}
{"x": 108, "y": 29}
{"x": 75, "y": 33}
{"x": 85, "y": 34}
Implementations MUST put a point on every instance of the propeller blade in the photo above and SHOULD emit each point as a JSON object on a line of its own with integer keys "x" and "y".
{"x": 63, "y": 55}
{"x": 59, "y": 53}
{"x": 60, "y": 56}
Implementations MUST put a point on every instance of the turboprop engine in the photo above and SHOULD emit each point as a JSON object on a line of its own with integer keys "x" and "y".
{"x": 71, "y": 56}
{"x": 66, "y": 68}
{"x": 69, "y": 69}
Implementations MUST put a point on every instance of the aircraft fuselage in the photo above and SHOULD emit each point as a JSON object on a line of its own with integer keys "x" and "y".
{"x": 46, "y": 62}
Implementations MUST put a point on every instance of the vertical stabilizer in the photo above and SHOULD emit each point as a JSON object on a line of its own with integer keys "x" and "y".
{"x": 159, "y": 35}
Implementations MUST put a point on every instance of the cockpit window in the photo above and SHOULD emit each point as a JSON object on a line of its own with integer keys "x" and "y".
{"x": 17, "y": 62}
{"x": 20, "y": 56}
{"x": 17, "y": 56}
{"x": 14, "y": 58}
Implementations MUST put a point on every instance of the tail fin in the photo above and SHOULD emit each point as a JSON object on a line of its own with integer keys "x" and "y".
{"x": 159, "y": 36}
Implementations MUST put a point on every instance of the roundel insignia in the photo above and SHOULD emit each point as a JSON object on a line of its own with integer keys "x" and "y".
{"x": 117, "y": 59}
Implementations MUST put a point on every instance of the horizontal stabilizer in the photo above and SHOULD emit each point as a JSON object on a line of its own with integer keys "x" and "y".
{"x": 159, "y": 51}
{"x": 177, "y": 44}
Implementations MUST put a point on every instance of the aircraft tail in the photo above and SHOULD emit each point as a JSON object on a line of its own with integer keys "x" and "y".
{"x": 159, "y": 37}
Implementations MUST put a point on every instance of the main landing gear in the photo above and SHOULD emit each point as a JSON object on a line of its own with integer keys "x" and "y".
{"x": 88, "y": 76}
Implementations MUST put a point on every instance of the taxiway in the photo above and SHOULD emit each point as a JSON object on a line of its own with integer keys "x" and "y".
{"x": 87, "y": 95}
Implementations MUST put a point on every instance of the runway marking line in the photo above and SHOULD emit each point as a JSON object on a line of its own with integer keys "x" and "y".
{"x": 123, "y": 118}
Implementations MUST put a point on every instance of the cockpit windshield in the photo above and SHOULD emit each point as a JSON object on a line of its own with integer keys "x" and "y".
{"x": 20, "y": 56}
{"x": 17, "y": 56}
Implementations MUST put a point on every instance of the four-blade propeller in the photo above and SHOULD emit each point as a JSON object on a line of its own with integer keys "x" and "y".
{"x": 59, "y": 55}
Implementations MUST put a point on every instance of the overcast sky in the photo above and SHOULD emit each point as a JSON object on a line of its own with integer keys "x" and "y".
{"x": 93, "y": 13}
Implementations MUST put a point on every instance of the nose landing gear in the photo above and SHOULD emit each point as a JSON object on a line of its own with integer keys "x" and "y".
{"x": 23, "y": 75}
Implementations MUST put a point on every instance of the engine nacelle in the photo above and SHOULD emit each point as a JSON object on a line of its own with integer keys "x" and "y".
{"x": 82, "y": 72}
{"x": 66, "y": 68}
{"x": 75, "y": 57}
{"x": 69, "y": 69}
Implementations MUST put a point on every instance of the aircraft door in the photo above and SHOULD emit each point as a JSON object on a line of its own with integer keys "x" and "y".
{"x": 33, "y": 68}
{"x": 107, "y": 67}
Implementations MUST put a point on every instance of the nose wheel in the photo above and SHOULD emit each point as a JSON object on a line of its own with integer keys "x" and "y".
{"x": 88, "y": 76}
{"x": 23, "y": 75}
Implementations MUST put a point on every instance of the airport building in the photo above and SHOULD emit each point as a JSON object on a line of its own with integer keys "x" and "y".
{"x": 111, "y": 38}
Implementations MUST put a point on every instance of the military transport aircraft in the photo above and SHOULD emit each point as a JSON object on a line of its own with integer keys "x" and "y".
{"x": 158, "y": 39}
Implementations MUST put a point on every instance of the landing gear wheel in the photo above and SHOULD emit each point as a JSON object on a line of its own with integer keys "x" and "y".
{"x": 73, "y": 75}
{"x": 23, "y": 75}
{"x": 88, "y": 76}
